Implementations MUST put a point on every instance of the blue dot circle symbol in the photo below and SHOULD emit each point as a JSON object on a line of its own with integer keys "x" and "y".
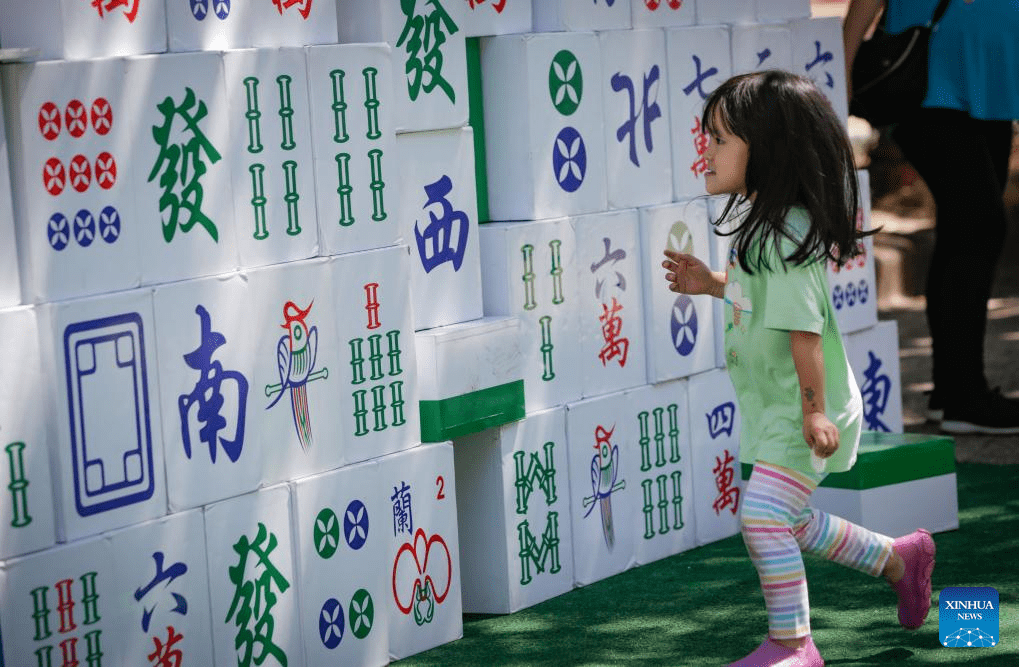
{"x": 84, "y": 228}
{"x": 223, "y": 9}
{"x": 569, "y": 159}
{"x": 863, "y": 291}
{"x": 355, "y": 524}
{"x": 58, "y": 231}
{"x": 109, "y": 224}
{"x": 836, "y": 297}
{"x": 330, "y": 623}
{"x": 850, "y": 294}
{"x": 684, "y": 325}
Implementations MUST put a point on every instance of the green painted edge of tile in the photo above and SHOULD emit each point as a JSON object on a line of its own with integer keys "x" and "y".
{"x": 476, "y": 119}
{"x": 891, "y": 458}
{"x": 472, "y": 412}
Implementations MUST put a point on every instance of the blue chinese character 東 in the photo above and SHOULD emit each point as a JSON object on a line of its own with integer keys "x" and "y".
{"x": 875, "y": 391}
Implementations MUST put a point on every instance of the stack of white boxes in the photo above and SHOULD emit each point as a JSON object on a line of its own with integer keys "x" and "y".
{"x": 250, "y": 272}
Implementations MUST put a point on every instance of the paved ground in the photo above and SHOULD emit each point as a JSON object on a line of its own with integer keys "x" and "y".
{"x": 902, "y": 204}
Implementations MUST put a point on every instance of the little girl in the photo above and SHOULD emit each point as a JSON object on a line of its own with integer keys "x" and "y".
{"x": 778, "y": 150}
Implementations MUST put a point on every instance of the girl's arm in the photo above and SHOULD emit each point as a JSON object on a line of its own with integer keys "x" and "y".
{"x": 689, "y": 275}
{"x": 859, "y": 18}
{"x": 820, "y": 434}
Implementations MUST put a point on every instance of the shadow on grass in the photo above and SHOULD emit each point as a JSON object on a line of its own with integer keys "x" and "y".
{"x": 704, "y": 606}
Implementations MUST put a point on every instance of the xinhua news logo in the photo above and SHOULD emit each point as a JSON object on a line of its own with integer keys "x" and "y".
{"x": 968, "y": 617}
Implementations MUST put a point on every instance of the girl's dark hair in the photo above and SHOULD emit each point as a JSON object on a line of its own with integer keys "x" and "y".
{"x": 799, "y": 155}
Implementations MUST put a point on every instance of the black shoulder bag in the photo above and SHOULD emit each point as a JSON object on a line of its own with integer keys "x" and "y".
{"x": 890, "y": 72}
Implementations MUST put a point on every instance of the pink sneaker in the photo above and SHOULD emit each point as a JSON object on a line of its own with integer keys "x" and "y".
{"x": 914, "y": 589}
{"x": 773, "y": 654}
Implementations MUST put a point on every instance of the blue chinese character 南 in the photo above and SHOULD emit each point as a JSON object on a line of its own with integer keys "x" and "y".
{"x": 208, "y": 395}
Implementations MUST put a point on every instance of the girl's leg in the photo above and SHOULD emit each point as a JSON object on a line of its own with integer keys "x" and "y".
{"x": 773, "y": 500}
{"x": 842, "y": 541}
{"x": 907, "y": 562}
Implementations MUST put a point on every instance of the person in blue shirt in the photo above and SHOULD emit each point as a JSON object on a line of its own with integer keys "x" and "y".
{"x": 959, "y": 142}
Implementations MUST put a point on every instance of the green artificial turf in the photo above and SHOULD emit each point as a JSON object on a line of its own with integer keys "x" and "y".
{"x": 704, "y": 606}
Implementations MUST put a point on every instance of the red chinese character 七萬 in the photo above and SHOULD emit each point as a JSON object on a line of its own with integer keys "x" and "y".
{"x": 700, "y": 143}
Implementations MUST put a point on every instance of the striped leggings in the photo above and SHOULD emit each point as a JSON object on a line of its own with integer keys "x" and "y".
{"x": 777, "y": 526}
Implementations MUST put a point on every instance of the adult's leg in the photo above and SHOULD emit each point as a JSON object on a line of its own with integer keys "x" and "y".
{"x": 963, "y": 162}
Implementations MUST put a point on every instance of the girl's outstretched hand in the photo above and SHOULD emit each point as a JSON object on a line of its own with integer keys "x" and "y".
{"x": 687, "y": 274}
{"x": 821, "y": 435}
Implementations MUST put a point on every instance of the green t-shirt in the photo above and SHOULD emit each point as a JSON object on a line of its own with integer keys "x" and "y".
{"x": 760, "y": 310}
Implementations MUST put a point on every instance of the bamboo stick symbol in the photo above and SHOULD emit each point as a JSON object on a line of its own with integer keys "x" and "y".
{"x": 344, "y": 189}
{"x": 356, "y": 361}
{"x": 673, "y": 433}
{"x": 41, "y": 613}
{"x": 379, "y": 406}
{"x": 18, "y": 485}
{"x": 360, "y": 412}
{"x": 528, "y": 277}
{"x": 286, "y": 112}
{"x": 659, "y": 437}
{"x": 677, "y": 500}
{"x": 258, "y": 200}
{"x": 557, "y": 272}
{"x": 371, "y": 102}
{"x": 377, "y": 185}
{"x": 89, "y": 598}
{"x": 663, "y": 504}
{"x": 397, "y": 402}
{"x": 546, "y": 347}
{"x": 645, "y": 442}
{"x": 291, "y": 197}
{"x": 339, "y": 107}
{"x": 372, "y": 305}
{"x": 94, "y": 647}
{"x": 394, "y": 352}
{"x": 253, "y": 114}
{"x": 375, "y": 356}
{"x": 648, "y": 510}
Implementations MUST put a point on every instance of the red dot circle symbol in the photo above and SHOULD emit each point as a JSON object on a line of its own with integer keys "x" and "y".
{"x": 675, "y": 4}
{"x": 652, "y": 4}
{"x": 80, "y": 173}
{"x": 76, "y": 118}
{"x": 106, "y": 170}
{"x": 102, "y": 116}
{"x": 49, "y": 121}
{"x": 53, "y": 176}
